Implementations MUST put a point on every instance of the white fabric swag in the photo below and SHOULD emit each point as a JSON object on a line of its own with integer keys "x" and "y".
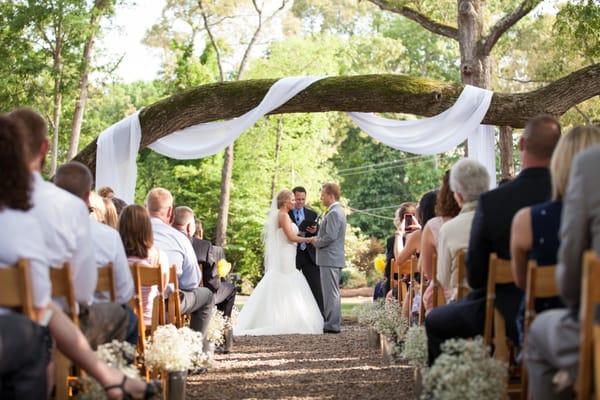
{"x": 119, "y": 144}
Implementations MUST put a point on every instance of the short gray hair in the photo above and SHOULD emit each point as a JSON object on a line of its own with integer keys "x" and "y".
{"x": 469, "y": 178}
{"x": 183, "y": 215}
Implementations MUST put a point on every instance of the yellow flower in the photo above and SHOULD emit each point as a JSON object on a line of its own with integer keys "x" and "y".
{"x": 380, "y": 263}
{"x": 223, "y": 268}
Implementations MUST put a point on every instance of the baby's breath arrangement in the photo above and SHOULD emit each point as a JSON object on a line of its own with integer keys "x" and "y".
{"x": 415, "y": 346}
{"x": 230, "y": 322}
{"x": 366, "y": 313}
{"x": 171, "y": 349}
{"x": 216, "y": 328}
{"x": 119, "y": 355}
{"x": 389, "y": 322}
{"x": 465, "y": 370}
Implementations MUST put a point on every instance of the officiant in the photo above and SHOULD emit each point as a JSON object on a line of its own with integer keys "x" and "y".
{"x": 306, "y": 220}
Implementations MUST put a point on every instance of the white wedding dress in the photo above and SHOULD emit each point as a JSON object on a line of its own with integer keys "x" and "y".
{"x": 282, "y": 302}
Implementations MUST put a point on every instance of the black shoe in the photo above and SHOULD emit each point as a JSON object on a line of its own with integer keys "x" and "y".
{"x": 197, "y": 371}
{"x": 330, "y": 331}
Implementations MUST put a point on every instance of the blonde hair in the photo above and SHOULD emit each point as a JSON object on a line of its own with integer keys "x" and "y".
{"x": 97, "y": 207}
{"x": 283, "y": 196}
{"x": 575, "y": 141}
{"x": 158, "y": 199}
{"x": 111, "y": 216}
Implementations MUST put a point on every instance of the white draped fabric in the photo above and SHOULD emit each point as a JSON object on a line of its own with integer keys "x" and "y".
{"x": 118, "y": 145}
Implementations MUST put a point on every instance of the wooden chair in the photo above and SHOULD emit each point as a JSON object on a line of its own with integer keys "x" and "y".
{"x": 541, "y": 283}
{"x": 461, "y": 273}
{"x": 174, "y": 302}
{"x": 402, "y": 289}
{"x": 412, "y": 285}
{"x": 500, "y": 272}
{"x": 589, "y": 335}
{"x": 439, "y": 299}
{"x": 62, "y": 286}
{"x": 16, "y": 290}
{"x": 106, "y": 281}
{"x": 145, "y": 275}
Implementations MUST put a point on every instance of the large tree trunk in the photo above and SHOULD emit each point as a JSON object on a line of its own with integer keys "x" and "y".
{"x": 96, "y": 13}
{"x": 505, "y": 143}
{"x": 363, "y": 93}
{"x": 278, "y": 134}
{"x": 57, "y": 103}
{"x": 223, "y": 215}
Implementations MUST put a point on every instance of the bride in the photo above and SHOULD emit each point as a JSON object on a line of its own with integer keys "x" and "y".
{"x": 282, "y": 302}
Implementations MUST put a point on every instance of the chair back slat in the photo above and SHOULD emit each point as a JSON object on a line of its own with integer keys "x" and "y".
{"x": 589, "y": 334}
{"x": 106, "y": 281}
{"x": 16, "y": 290}
{"x": 62, "y": 286}
{"x": 394, "y": 274}
{"x": 413, "y": 284}
{"x": 439, "y": 299}
{"x": 499, "y": 272}
{"x": 174, "y": 300}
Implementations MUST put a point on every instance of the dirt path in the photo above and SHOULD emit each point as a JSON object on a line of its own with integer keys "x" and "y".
{"x": 303, "y": 367}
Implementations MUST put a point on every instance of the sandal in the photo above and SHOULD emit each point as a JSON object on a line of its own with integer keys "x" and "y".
{"x": 153, "y": 390}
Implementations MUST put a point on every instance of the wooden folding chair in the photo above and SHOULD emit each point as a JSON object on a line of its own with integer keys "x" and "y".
{"x": 412, "y": 285}
{"x": 541, "y": 283}
{"x": 439, "y": 298}
{"x": 145, "y": 275}
{"x": 589, "y": 335}
{"x": 422, "y": 286}
{"x": 106, "y": 281}
{"x": 174, "y": 302}
{"x": 15, "y": 288}
{"x": 62, "y": 286}
{"x": 461, "y": 275}
{"x": 402, "y": 289}
{"x": 500, "y": 272}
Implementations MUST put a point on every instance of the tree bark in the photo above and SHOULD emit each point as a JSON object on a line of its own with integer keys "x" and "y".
{"x": 224, "y": 198}
{"x": 96, "y": 14}
{"x": 57, "y": 103}
{"x": 505, "y": 143}
{"x": 278, "y": 134}
{"x": 362, "y": 93}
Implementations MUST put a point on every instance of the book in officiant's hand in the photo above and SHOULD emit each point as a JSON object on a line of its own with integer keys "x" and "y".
{"x": 307, "y": 223}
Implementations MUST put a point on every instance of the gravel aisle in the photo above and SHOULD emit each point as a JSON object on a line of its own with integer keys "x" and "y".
{"x": 303, "y": 367}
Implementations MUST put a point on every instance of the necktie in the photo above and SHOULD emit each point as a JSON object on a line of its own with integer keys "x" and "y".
{"x": 302, "y": 245}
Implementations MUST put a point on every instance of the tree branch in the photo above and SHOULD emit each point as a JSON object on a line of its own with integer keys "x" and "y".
{"x": 505, "y": 23}
{"x": 423, "y": 20}
{"x": 212, "y": 40}
{"x": 363, "y": 93}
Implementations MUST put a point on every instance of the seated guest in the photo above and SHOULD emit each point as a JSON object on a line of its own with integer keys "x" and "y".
{"x": 445, "y": 209}
{"x": 553, "y": 341}
{"x": 195, "y": 300}
{"x": 62, "y": 217}
{"x": 395, "y": 243}
{"x": 25, "y": 345}
{"x": 535, "y": 229}
{"x": 119, "y": 205}
{"x": 468, "y": 179}
{"x": 490, "y": 233}
{"x": 115, "y": 321}
{"x": 106, "y": 191}
{"x": 224, "y": 292}
{"x": 136, "y": 233}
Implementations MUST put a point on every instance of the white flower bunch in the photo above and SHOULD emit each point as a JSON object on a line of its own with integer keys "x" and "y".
{"x": 465, "y": 370}
{"x": 366, "y": 313}
{"x": 216, "y": 328}
{"x": 173, "y": 349}
{"x": 231, "y": 321}
{"x": 117, "y": 354}
{"x": 389, "y": 322}
{"x": 415, "y": 346}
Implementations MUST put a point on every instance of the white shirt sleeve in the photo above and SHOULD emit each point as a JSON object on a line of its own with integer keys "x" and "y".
{"x": 121, "y": 273}
{"x": 83, "y": 263}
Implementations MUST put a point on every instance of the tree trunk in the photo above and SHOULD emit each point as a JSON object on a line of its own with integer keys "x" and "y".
{"x": 363, "y": 93}
{"x": 505, "y": 143}
{"x": 57, "y": 105}
{"x": 223, "y": 215}
{"x": 83, "y": 78}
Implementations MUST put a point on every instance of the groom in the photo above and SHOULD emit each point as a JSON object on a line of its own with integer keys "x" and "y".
{"x": 305, "y": 253}
{"x": 330, "y": 255}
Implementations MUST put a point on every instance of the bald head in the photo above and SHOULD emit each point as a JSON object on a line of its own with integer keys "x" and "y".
{"x": 159, "y": 203}
{"x": 76, "y": 178}
{"x": 540, "y": 137}
{"x": 183, "y": 216}
{"x": 35, "y": 130}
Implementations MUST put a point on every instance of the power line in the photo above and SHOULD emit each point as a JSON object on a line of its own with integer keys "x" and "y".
{"x": 371, "y": 214}
{"x": 401, "y": 160}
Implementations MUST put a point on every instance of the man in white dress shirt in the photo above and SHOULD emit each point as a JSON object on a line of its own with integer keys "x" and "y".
{"x": 195, "y": 300}
{"x": 62, "y": 217}
{"x": 76, "y": 178}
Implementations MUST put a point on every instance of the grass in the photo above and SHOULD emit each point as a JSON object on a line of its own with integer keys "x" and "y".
{"x": 347, "y": 306}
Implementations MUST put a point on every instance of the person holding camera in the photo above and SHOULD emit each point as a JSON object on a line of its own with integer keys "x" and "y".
{"x": 306, "y": 220}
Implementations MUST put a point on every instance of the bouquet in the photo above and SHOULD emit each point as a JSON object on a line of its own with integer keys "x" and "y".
{"x": 171, "y": 349}
{"x": 465, "y": 370}
{"x": 415, "y": 346}
{"x": 119, "y": 355}
{"x": 379, "y": 263}
{"x": 223, "y": 268}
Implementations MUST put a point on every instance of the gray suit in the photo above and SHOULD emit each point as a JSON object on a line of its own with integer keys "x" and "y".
{"x": 553, "y": 342}
{"x": 331, "y": 260}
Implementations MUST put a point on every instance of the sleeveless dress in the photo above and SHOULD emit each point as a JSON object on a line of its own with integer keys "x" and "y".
{"x": 282, "y": 302}
{"x": 545, "y": 225}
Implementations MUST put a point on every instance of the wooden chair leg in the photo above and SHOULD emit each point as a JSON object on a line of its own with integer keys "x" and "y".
{"x": 62, "y": 366}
